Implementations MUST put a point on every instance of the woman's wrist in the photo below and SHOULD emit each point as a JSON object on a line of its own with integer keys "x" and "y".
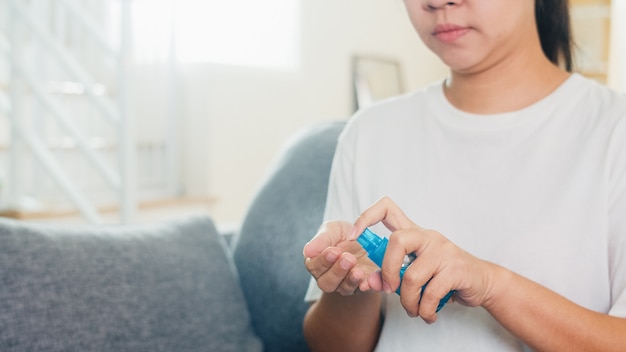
{"x": 499, "y": 282}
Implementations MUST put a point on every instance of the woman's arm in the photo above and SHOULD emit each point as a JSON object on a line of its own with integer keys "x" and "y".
{"x": 343, "y": 324}
{"x": 347, "y": 315}
{"x": 547, "y": 321}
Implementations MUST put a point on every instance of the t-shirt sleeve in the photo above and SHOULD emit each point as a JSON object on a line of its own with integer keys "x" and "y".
{"x": 617, "y": 219}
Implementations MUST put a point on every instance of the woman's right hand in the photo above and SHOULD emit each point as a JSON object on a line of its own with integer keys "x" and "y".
{"x": 338, "y": 264}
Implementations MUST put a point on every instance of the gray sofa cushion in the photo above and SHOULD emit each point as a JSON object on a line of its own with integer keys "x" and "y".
{"x": 167, "y": 287}
{"x": 283, "y": 216}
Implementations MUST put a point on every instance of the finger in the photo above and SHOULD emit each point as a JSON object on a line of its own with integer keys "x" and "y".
{"x": 329, "y": 235}
{"x": 414, "y": 279}
{"x": 320, "y": 264}
{"x": 331, "y": 280}
{"x": 351, "y": 284}
{"x": 374, "y": 281}
{"x": 436, "y": 289}
{"x": 422, "y": 291}
{"x": 402, "y": 243}
{"x": 385, "y": 211}
{"x": 410, "y": 299}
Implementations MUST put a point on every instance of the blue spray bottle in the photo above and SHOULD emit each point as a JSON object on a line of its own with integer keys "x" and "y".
{"x": 376, "y": 246}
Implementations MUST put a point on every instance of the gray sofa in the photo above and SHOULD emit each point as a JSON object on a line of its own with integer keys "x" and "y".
{"x": 176, "y": 286}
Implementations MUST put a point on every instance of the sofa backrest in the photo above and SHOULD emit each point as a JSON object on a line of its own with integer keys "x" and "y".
{"x": 283, "y": 216}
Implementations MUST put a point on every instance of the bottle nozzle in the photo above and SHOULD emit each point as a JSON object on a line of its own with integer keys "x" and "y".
{"x": 369, "y": 240}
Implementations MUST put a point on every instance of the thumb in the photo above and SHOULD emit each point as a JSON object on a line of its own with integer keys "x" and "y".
{"x": 329, "y": 234}
{"x": 386, "y": 211}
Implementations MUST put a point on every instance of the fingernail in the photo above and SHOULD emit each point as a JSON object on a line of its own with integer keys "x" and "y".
{"x": 386, "y": 287}
{"x": 345, "y": 264}
{"x": 353, "y": 233}
{"x": 331, "y": 257}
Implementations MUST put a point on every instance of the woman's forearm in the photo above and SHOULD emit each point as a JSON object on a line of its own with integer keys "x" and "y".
{"x": 339, "y": 323}
{"x": 547, "y": 321}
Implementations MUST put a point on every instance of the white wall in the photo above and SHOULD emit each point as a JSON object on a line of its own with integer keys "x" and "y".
{"x": 236, "y": 119}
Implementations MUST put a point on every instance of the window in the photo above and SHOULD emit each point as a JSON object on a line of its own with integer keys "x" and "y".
{"x": 244, "y": 32}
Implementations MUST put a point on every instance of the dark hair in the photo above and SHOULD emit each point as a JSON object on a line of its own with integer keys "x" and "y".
{"x": 555, "y": 33}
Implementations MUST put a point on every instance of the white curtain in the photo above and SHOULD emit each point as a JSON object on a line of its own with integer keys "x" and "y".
{"x": 152, "y": 31}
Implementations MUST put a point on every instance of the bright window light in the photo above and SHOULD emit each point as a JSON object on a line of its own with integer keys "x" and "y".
{"x": 244, "y": 32}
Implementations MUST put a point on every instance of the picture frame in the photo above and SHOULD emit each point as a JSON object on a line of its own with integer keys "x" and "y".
{"x": 375, "y": 78}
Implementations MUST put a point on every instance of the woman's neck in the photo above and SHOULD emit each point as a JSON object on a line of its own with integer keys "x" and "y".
{"x": 504, "y": 87}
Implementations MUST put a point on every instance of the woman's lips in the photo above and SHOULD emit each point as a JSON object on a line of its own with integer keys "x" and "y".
{"x": 449, "y": 33}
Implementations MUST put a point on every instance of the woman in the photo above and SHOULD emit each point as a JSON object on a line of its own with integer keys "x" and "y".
{"x": 507, "y": 180}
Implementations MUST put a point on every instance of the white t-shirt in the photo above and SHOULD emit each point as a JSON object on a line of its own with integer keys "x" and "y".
{"x": 540, "y": 191}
